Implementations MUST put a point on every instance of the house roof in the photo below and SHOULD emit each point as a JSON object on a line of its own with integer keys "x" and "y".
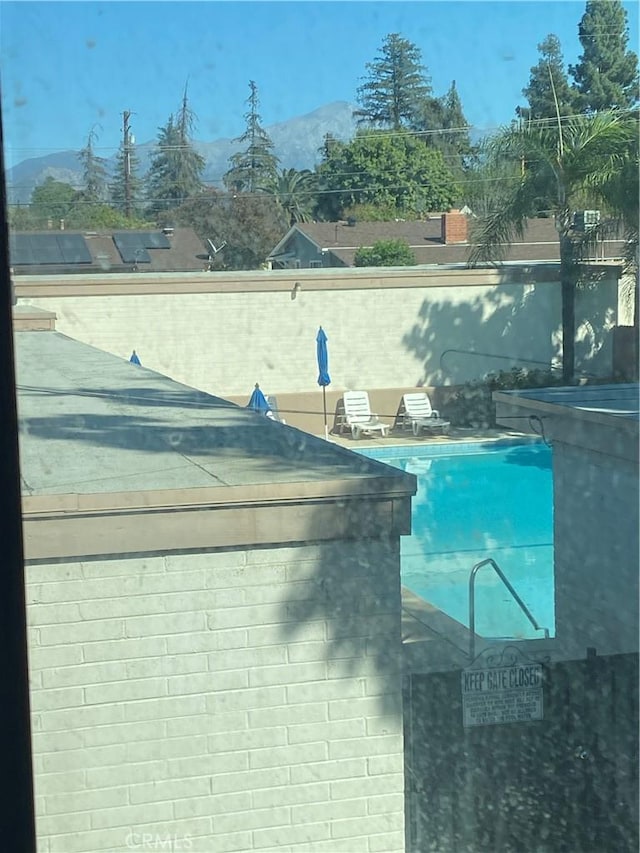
{"x": 539, "y": 243}
{"x": 55, "y": 252}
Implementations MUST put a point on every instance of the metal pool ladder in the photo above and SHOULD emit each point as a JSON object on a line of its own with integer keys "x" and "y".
{"x": 472, "y": 602}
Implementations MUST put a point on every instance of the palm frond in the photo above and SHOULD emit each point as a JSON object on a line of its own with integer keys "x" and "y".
{"x": 494, "y": 233}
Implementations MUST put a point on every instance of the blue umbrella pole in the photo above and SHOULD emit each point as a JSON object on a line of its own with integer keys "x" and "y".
{"x": 324, "y": 406}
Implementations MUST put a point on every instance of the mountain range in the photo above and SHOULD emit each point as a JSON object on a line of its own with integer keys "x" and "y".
{"x": 296, "y": 143}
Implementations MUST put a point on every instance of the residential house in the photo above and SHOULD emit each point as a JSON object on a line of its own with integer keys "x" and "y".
{"x": 60, "y": 252}
{"x": 442, "y": 238}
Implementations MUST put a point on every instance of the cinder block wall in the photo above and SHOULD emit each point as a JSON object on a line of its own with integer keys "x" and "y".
{"x": 244, "y": 701}
{"x": 383, "y": 336}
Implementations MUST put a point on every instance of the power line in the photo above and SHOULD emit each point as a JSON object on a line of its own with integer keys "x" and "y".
{"x": 375, "y": 133}
{"x": 263, "y": 195}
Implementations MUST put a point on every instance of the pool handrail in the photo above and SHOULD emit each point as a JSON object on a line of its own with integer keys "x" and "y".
{"x": 472, "y": 602}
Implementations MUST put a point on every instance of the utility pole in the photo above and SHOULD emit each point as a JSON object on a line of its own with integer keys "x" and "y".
{"x": 126, "y": 115}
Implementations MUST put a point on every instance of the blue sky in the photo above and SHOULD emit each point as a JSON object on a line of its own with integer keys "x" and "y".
{"x": 67, "y": 67}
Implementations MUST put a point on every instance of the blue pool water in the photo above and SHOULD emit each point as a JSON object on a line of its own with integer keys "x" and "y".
{"x": 474, "y": 501}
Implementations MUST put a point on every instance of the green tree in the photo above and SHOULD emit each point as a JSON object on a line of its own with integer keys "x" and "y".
{"x": 453, "y": 141}
{"x": 52, "y": 200}
{"x": 251, "y": 225}
{"x": 94, "y": 172}
{"x": 101, "y": 216}
{"x": 384, "y": 169}
{"x": 548, "y": 91}
{"x": 396, "y": 88}
{"x": 21, "y": 218}
{"x": 175, "y": 173}
{"x": 370, "y": 212}
{"x": 385, "y": 253}
{"x": 584, "y": 156}
{"x": 294, "y": 191}
{"x": 256, "y": 165}
{"x": 606, "y": 74}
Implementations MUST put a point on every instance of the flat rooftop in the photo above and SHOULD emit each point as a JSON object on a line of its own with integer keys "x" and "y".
{"x": 585, "y": 401}
{"x": 601, "y": 418}
{"x": 91, "y": 422}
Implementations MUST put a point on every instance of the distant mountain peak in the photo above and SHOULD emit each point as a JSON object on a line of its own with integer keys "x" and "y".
{"x": 296, "y": 141}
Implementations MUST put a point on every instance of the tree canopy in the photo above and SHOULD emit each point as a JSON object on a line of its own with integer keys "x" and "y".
{"x": 385, "y": 253}
{"x": 385, "y": 169}
{"x": 175, "y": 173}
{"x": 251, "y": 225}
{"x": 94, "y": 172}
{"x": 294, "y": 191}
{"x": 256, "y": 165}
{"x": 396, "y": 87}
{"x": 52, "y": 200}
{"x": 548, "y": 92}
{"x": 606, "y": 74}
{"x": 579, "y": 160}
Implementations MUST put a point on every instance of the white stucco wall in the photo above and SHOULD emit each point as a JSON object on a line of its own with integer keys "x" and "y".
{"x": 381, "y": 337}
{"x": 241, "y": 701}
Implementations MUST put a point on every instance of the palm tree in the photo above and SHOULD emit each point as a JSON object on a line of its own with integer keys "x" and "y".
{"x": 565, "y": 161}
{"x": 294, "y": 192}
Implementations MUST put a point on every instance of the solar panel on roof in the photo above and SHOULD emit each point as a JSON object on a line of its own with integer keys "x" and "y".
{"x": 48, "y": 249}
{"x": 20, "y": 251}
{"x": 133, "y": 245}
{"x": 45, "y": 249}
{"x": 131, "y": 248}
{"x": 73, "y": 249}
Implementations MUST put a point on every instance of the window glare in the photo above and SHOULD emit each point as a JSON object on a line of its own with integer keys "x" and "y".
{"x": 322, "y": 494}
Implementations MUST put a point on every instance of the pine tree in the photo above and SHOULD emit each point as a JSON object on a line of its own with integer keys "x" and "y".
{"x": 548, "y": 84}
{"x": 454, "y": 142}
{"x": 176, "y": 168}
{"x": 257, "y": 165}
{"x": 606, "y": 75}
{"x": 397, "y": 86}
{"x": 94, "y": 172}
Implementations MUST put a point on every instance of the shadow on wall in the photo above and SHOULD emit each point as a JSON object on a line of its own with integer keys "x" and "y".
{"x": 350, "y": 589}
{"x": 596, "y": 318}
{"x": 509, "y": 326}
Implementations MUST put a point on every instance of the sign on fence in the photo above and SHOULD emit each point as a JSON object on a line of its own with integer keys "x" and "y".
{"x": 502, "y": 694}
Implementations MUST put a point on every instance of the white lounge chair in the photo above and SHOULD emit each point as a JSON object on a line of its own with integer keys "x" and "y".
{"x": 358, "y": 416}
{"x": 275, "y": 411}
{"x": 416, "y": 413}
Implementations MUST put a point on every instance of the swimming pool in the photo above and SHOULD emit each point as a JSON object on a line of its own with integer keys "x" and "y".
{"x": 477, "y": 500}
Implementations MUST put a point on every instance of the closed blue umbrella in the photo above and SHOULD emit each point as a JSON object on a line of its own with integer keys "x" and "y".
{"x": 323, "y": 372}
{"x": 258, "y": 402}
{"x": 134, "y": 358}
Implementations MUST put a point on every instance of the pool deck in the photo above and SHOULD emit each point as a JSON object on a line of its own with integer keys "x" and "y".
{"x": 455, "y": 436}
